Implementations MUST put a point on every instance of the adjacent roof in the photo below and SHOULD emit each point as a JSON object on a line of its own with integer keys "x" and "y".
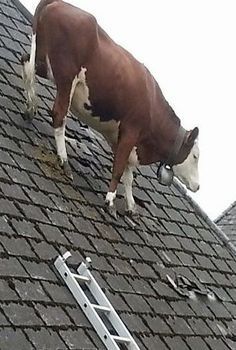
{"x": 170, "y": 273}
{"x": 227, "y": 222}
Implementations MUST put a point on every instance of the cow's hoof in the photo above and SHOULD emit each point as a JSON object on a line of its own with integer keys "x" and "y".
{"x": 132, "y": 213}
{"x": 67, "y": 170}
{"x": 30, "y": 113}
{"x": 131, "y": 210}
{"x": 25, "y": 57}
{"x": 111, "y": 209}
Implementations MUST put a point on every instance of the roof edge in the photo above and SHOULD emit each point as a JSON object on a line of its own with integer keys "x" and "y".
{"x": 203, "y": 214}
{"x": 26, "y": 13}
{"x": 221, "y": 216}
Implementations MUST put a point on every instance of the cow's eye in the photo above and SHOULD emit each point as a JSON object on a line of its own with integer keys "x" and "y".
{"x": 194, "y": 156}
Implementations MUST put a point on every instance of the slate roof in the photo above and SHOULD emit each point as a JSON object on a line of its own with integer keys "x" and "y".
{"x": 227, "y": 222}
{"x": 148, "y": 266}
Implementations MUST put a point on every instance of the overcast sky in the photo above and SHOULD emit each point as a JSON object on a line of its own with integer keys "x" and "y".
{"x": 189, "y": 46}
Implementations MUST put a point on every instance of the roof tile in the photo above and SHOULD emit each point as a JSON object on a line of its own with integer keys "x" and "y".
{"x": 8, "y": 207}
{"x": 25, "y": 228}
{"x": 176, "y": 343}
{"x": 145, "y": 270}
{"x": 9, "y": 339}
{"x": 181, "y": 308}
{"x": 196, "y": 343}
{"x": 140, "y": 286}
{"x": 179, "y": 326}
{"x": 118, "y": 283}
{"x": 34, "y": 213}
{"x": 199, "y": 327}
{"x": 43, "y": 250}
{"x": 7, "y": 291}
{"x": 83, "y": 226}
{"x": 3, "y": 321}
{"x": 134, "y": 322}
{"x": 47, "y": 338}
{"x": 13, "y": 192}
{"x": 137, "y": 303}
{"x": 154, "y": 343}
{"x": 73, "y": 338}
{"x": 53, "y": 316}
{"x": 122, "y": 266}
{"x": 216, "y": 344}
{"x": 12, "y": 268}
{"x": 200, "y": 308}
{"x": 21, "y": 315}
{"x": 219, "y": 310}
{"x": 4, "y": 226}
{"x": 31, "y": 291}
{"x": 17, "y": 247}
{"x": 39, "y": 270}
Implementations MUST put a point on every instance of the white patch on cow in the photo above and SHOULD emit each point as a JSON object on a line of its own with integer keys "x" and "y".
{"x": 187, "y": 172}
{"x": 59, "y": 134}
{"x": 110, "y": 197}
{"x": 74, "y": 84}
{"x": 81, "y": 98}
{"x": 33, "y": 52}
{"x": 28, "y": 75}
{"x": 133, "y": 157}
{"x": 127, "y": 179}
{"x": 49, "y": 70}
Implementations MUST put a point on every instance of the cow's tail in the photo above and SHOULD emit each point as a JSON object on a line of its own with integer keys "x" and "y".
{"x": 28, "y": 75}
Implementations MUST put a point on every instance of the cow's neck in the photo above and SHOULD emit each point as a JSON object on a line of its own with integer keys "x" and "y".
{"x": 166, "y": 132}
{"x": 162, "y": 136}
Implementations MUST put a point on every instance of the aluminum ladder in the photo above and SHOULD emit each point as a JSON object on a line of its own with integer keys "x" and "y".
{"x": 95, "y": 310}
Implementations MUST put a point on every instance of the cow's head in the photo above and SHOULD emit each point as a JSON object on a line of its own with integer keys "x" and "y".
{"x": 187, "y": 171}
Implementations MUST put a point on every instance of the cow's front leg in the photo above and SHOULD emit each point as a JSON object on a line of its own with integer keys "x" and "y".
{"x": 127, "y": 140}
{"x": 59, "y": 114}
{"x": 127, "y": 180}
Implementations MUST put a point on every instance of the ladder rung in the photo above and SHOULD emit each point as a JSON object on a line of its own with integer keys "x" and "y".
{"x": 101, "y": 308}
{"x": 81, "y": 278}
{"x": 121, "y": 339}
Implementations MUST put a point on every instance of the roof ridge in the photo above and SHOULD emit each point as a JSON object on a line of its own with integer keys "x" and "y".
{"x": 25, "y": 12}
{"x": 222, "y": 215}
{"x": 204, "y": 215}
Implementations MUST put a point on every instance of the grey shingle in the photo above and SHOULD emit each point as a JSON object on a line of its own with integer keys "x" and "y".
{"x": 21, "y": 315}
{"x": 10, "y": 337}
{"x": 53, "y": 316}
{"x": 45, "y": 339}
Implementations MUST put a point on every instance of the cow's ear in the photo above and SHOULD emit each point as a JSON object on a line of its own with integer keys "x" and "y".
{"x": 193, "y": 134}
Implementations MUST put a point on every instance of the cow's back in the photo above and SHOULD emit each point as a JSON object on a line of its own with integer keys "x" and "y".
{"x": 111, "y": 86}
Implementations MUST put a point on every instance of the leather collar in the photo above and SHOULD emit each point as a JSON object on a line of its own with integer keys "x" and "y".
{"x": 176, "y": 147}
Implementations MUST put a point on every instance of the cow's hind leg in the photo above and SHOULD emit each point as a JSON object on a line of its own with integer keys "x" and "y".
{"x": 127, "y": 180}
{"x": 28, "y": 75}
{"x": 65, "y": 90}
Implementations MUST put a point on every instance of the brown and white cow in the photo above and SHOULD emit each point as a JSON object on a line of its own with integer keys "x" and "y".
{"x": 108, "y": 89}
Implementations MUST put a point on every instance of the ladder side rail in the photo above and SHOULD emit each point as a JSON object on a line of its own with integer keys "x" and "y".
{"x": 101, "y": 298}
{"x": 82, "y": 299}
